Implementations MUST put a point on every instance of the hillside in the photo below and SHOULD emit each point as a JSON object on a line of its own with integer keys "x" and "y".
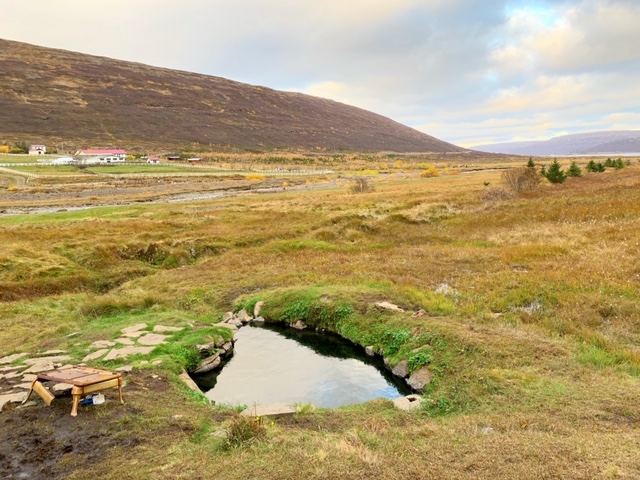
{"x": 55, "y": 94}
{"x": 591, "y": 143}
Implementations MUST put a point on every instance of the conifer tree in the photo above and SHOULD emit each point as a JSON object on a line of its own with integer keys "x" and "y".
{"x": 555, "y": 174}
{"x": 574, "y": 170}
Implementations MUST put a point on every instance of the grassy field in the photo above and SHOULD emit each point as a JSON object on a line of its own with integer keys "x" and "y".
{"x": 531, "y": 325}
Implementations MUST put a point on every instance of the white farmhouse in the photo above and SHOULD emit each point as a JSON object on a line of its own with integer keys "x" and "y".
{"x": 91, "y": 157}
{"x": 37, "y": 150}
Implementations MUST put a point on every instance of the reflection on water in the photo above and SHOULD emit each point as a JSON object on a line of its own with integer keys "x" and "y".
{"x": 273, "y": 364}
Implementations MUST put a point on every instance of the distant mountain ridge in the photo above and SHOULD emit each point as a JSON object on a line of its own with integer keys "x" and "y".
{"x": 50, "y": 93}
{"x": 590, "y": 143}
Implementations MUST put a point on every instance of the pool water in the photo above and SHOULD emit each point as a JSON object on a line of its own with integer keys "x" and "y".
{"x": 276, "y": 364}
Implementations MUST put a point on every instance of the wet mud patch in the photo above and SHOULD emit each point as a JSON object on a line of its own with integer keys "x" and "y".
{"x": 41, "y": 442}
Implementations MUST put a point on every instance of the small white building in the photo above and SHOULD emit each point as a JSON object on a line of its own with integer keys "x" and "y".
{"x": 37, "y": 150}
{"x": 153, "y": 161}
{"x": 93, "y": 157}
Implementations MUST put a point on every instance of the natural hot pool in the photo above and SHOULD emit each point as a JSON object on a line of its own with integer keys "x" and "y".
{"x": 275, "y": 364}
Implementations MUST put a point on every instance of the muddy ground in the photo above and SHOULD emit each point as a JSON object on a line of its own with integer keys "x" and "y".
{"x": 40, "y": 442}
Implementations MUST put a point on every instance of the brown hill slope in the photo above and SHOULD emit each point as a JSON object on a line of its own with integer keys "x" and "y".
{"x": 50, "y": 93}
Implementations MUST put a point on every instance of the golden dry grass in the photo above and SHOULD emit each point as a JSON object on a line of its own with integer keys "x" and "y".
{"x": 538, "y": 374}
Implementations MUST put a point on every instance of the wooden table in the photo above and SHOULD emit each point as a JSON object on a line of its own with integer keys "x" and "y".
{"x": 84, "y": 380}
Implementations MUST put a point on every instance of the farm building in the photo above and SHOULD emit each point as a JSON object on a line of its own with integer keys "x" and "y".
{"x": 87, "y": 157}
{"x": 153, "y": 160}
{"x": 37, "y": 150}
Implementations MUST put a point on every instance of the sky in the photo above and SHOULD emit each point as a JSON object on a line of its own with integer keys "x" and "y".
{"x": 469, "y": 72}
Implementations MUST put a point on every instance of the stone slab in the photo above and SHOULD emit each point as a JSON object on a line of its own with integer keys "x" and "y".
{"x": 125, "y": 341}
{"x": 54, "y": 359}
{"x": 12, "y": 368}
{"x": 420, "y": 379}
{"x": 95, "y": 355}
{"x": 126, "y": 351}
{"x": 23, "y": 386}
{"x": 60, "y": 388}
{"x": 54, "y": 352}
{"x": 134, "y": 334}
{"x": 408, "y": 403}
{"x": 165, "y": 329}
{"x": 42, "y": 366}
{"x": 134, "y": 328}
{"x": 12, "y": 358}
{"x": 125, "y": 369}
{"x": 153, "y": 339}
{"x": 271, "y": 410}
{"x": 389, "y": 306}
{"x": 102, "y": 344}
{"x": 233, "y": 328}
{"x": 29, "y": 377}
{"x": 12, "y": 398}
{"x": 188, "y": 381}
{"x": 11, "y": 375}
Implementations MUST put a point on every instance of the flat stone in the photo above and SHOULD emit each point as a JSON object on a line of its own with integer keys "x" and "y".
{"x": 29, "y": 377}
{"x": 420, "y": 379}
{"x": 12, "y": 398}
{"x": 125, "y": 369}
{"x": 126, "y": 351}
{"x": 153, "y": 339}
{"x": 11, "y": 375}
{"x": 42, "y": 366}
{"x": 401, "y": 369}
{"x": 220, "y": 341}
{"x": 369, "y": 351}
{"x": 257, "y": 308}
{"x": 134, "y": 334}
{"x": 389, "y": 306}
{"x": 125, "y": 341}
{"x": 95, "y": 355}
{"x": 12, "y": 358}
{"x": 102, "y": 344}
{"x": 226, "y": 325}
{"x": 23, "y": 386}
{"x": 54, "y": 352}
{"x": 12, "y": 368}
{"x": 134, "y": 328}
{"x": 165, "y": 329}
{"x": 208, "y": 364}
{"x": 408, "y": 403}
{"x": 299, "y": 325}
{"x": 61, "y": 388}
{"x": 188, "y": 381}
{"x": 227, "y": 347}
{"x": 235, "y": 322}
{"x": 55, "y": 358}
{"x": 259, "y": 319}
{"x": 227, "y": 316}
{"x": 271, "y": 410}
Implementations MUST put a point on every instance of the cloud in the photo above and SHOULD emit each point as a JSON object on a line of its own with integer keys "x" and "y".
{"x": 467, "y": 71}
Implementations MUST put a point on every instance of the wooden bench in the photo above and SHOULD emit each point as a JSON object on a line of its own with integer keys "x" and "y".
{"x": 84, "y": 380}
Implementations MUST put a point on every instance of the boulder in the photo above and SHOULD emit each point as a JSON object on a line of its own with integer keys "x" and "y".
{"x": 227, "y": 347}
{"x": 226, "y": 325}
{"x": 227, "y": 316}
{"x": 389, "y": 306}
{"x": 299, "y": 325}
{"x": 420, "y": 379}
{"x": 401, "y": 369}
{"x": 244, "y": 317}
{"x": 206, "y": 349}
{"x": 369, "y": 351}
{"x": 257, "y": 308}
{"x": 408, "y": 403}
{"x": 235, "y": 322}
{"x": 208, "y": 364}
{"x": 220, "y": 341}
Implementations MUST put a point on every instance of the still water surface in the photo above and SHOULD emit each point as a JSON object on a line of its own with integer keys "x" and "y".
{"x": 274, "y": 364}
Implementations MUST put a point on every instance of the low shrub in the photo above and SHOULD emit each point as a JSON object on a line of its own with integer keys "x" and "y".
{"x": 244, "y": 430}
{"x": 521, "y": 179}
{"x": 361, "y": 185}
{"x": 494, "y": 194}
